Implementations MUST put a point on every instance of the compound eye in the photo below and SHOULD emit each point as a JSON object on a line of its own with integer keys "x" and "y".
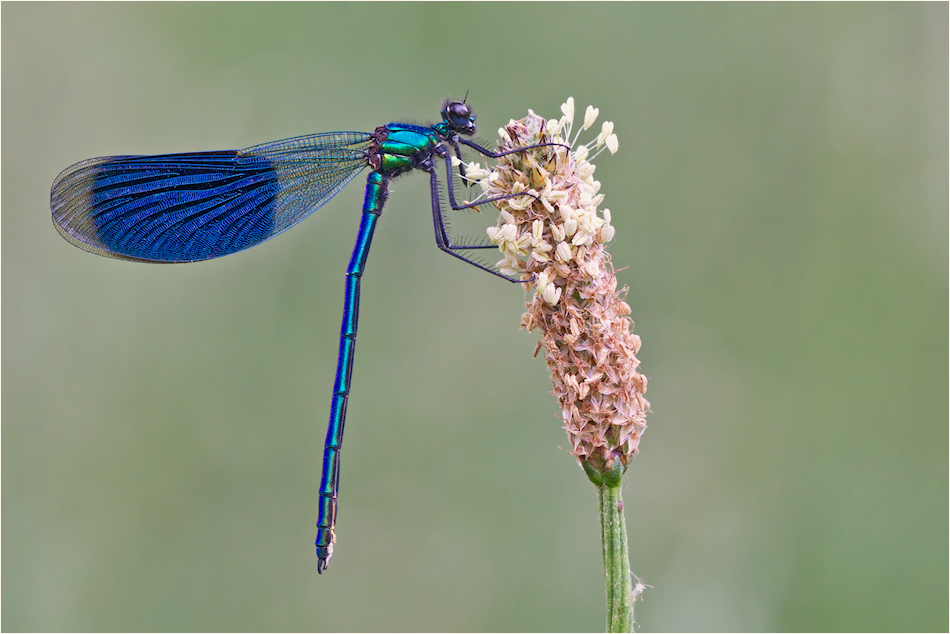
{"x": 459, "y": 114}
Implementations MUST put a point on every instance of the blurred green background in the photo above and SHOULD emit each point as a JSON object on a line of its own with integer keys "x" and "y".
{"x": 781, "y": 204}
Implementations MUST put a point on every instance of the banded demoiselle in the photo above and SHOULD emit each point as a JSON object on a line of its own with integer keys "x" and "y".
{"x": 202, "y": 205}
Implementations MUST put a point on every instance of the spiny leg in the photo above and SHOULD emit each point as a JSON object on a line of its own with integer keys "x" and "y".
{"x": 450, "y": 187}
{"x": 458, "y": 154}
{"x": 491, "y": 154}
{"x": 454, "y": 142}
{"x": 442, "y": 224}
{"x": 449, "y": 180}
{"x": 441, "y": 235}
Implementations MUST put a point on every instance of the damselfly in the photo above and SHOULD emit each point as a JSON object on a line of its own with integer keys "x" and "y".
{"x": 202, "y": 205}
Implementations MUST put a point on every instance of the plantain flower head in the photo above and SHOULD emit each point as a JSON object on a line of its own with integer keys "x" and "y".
{"x": 555, "y": 239}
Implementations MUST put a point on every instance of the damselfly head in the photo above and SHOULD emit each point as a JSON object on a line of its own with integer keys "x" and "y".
{"x": 459, "y": 117}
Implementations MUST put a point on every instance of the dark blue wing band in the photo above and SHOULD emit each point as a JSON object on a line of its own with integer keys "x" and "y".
{"x": 197, "y": 206}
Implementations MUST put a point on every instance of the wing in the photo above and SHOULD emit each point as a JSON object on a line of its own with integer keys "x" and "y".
{"x": 202, "y": 205}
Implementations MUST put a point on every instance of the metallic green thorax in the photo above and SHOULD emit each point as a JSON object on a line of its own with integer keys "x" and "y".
{"x": 398, "y": 146}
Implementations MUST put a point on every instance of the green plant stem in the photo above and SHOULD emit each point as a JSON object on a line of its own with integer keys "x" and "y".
{"x": 616, "y": 558}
